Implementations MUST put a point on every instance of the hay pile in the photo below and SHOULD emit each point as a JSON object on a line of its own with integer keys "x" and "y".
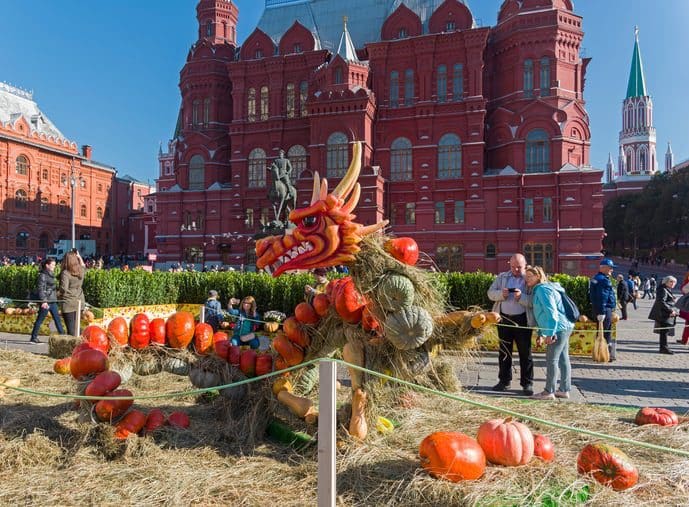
{"x": 62, "y": 345}
{"x": 48, "y": 457}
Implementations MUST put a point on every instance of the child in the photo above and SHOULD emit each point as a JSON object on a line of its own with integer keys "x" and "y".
{"x": 247, "y": 322}
{"x": 213, "y": 309}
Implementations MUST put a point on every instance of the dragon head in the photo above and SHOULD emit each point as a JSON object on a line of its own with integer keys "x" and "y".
{"x": 325, "y": 234}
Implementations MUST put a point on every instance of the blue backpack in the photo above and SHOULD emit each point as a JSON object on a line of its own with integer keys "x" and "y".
{"x": 571, "y": 311}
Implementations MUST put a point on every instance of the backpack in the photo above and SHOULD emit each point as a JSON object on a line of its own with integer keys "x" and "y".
{"x": 571, "y": 311}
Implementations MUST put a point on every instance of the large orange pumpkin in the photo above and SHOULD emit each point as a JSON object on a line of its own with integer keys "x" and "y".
{"x": 660, "y": 416}
{"x": 295, "y": 332}
{"x": 306, "y": 314}
{"x": 203, "y": 338}
{"x": 119, "y": 329}
{"x": 88, "y": 362}
{"x": 321, "y": 304}
{"x": 608, "y": 465}
{"x": 348, "y": 302}
{"x": 158, "y": 331}
{"x": 97, "y": 338}
{"x": 140, "y": 334}
{"x": 404, "y": 250}
{"x": 290, "y": 352}
{"x": 179, "y": 329}
{"x": 453, "y": 456}
{"x": 506, "y": 442}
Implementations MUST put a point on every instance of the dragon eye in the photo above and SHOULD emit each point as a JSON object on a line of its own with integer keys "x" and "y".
{"x": 309, "y": 221}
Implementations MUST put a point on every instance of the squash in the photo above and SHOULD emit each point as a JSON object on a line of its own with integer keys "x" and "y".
{"x": 659, "y": 416}
{"x": 396, "y": 291}
{"x": 543, "y": 448}
{"x": 247, "y": 362}
{"x": 506, "y": 442}
{"x": 295, "y": 332}
{"x": 107, "y": 409}
{"x": 353, "y": 354}
{"x": 321, "y": 303}
{"x": 97, "y": 338}
{"x": 299, "y": 406}
{"x": 203, "y": 379}
{"x": 179, "y": 420}
{"x": 404, "y": 250}
{"x": 87, "y": 362}
{"x": 478, "y": 320}
{"x": 290, "y": 352}
{"x": 608, "y": 465}
{"x": 203, "y": 338}
{"x": 222, "y": 348}
{"x": 234, "y": 354}
{"x": 179, "y": 329}
{"x": 220, "y": 336}
{"x": 88, "y": 316}
{"x": 103, "y": 383}
{"x": 349, "y": 303}
{"x": 281, "y": 364}
{"x": 158, "y": 331}
{"x": 282, "y": 384}
{"x": 174, "y": 365}
{"x": 264, "y": 363}
{"x": 61, "y": 366}
{"x": 140, "y": 331}
{"x": 409, "y": 328}
{"x": 492, "y": 317}
{"x": 358, "y": 427}
{"x": 119, "y": 329}
{"x": 271, "y": 327}
{"x": 368, "y": 320}
{"x": 130, "y": 424}
{"x": 306, "y": 314}
{"x": 155, "y": 420}
{"x": 453, "y": 456}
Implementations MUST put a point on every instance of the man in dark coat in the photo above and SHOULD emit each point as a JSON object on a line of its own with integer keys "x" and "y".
{"x": 602, "y": 296}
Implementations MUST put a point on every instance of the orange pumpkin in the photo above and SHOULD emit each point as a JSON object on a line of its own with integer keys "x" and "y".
{"x": 158, "y": 331}
{"x": 348, "y": 302}
{"x": 119, "y": 329}
{"x": 368, "y": 321}
{"x": 404, "y": 250}
{"x": 203, "y": 338}
{"x": 222, "y": 348}
{"x": 219, "y": 337}
{"x": 140, "y": 331}
{"x": 321, "y": 304}
{"x": 264, "y": 363}
{"x": 97, "y": 338}
{"x": 453, "y": 456}
{"x": 178, "y": 420}
{"x": 281, "y": 364}
{"x": 88, "y": 362}
{"x": 247, "y": 362}
{"x": 306, "y": 314}
{"x": 291, "y": 353}
{"x": 155, "y": 420}
{"x": 132, "y": 423}
{"x": 61, "y": 366}
{"x": 608, "y": 465}
{"x": 295, "y": 332}
{"x": 103, "y": 383}
{"x": 543, "y": 448}
{"x": 179, "y": 329}
{"x": 108, "y": 409}
{"x": 506, "y": 442}
{"x": 660, "y": 416}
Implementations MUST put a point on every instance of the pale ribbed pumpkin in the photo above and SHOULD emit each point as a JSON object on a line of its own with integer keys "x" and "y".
{"x": 506, "y": 442}
{"x": 397, "y": 292}
{"x": 409, "y": 328}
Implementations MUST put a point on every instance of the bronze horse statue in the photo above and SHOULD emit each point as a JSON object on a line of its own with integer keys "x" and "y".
{"x": 283, "y": 194}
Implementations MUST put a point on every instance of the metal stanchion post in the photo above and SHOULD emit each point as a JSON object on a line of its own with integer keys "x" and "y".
{"x": 327, "y": 378}
{"x": 78, "y": 322}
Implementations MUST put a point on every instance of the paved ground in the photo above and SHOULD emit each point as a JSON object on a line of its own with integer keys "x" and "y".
{"x": 640, "y": 376}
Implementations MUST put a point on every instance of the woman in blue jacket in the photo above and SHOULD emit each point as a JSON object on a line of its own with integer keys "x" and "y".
{"x": 554, "y": 329}
{"x": 248, "y": 320}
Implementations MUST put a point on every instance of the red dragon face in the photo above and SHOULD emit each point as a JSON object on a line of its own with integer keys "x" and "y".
{"x": 325, "y": 233}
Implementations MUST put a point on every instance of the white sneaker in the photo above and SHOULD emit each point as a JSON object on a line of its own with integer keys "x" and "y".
{"x": 562, "y": 394}
{"x": 545, "y": 395}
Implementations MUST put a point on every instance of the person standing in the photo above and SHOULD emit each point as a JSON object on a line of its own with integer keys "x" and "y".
{"x": 684, "y": 288}
{"x": 509, "y": 293}
{"x": 71, "y": 289}
{"x": 554, "y": 329}
{"x": 622, "y": 295}
{"x": 632, "y": 290}
{"x": 47, "y": 294}
{"x": 664, "y": 313}
{"x": 602, "y": 296}
{"x": 654, "y": 286}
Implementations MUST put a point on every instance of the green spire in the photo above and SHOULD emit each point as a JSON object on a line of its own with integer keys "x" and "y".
{"x": 637, "y": 84}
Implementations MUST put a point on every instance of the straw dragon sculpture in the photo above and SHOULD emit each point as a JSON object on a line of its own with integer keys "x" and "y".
{"x": 386, "y": 316}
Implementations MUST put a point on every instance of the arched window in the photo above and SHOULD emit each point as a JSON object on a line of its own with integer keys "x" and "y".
{"x": 642, "y": 115}
{"x": 195, "y": 115}
{"x": 458, "y": 82}
{"x": 45, "y": 174}
{"x": 99, "y": 212}
{"x": 297, "y": 157}
{"x": 44, "y": 204}
{"x": 303, "y": 95}
{"x": 449, "y": 257}
{"x": 83, "y": 211}
{"x": 630, "y": 161}
{"x": 290, "y": 100}
{"x": 257, "y": 168}
{"x": 20, "y": 199}
{"x": 402, "y": 33}
{"x": 251, "y": 105}
{"x": 408, "y": 87}
{"x": 394, "y": 89}
{"x": 22, "y": 240}
{"x": 449, "y": 157}
{"x": 528, "y": 78}
{"x": 642, "y": 160}
{"x": 338, "y": 155}
{"x": 439, "y": 216}
{"x": 490, "y": 251}
{"x": 441, "y": 83}
{"x": 400, "y": 159}
{"x": 264, "y": 103}
{"x": 209, "y": 28}
{"x": 537, "y": 152}
{"x": 338, "y": 76}
{"x": 206, "y": 111}
{"x": 43, "y": 241}
{"x": 22, "y": 165}
{"x": 545, "y": 77}
{"x": 196, "y": 173}
{"x": 62, "y": 207}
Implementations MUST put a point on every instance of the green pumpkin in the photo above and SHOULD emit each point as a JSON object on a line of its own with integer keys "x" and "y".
{"x": 409, "y": 327}
{"x": 395, "y": 292}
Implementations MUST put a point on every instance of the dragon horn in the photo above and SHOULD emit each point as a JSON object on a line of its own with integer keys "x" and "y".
{"x": 347, "y": 183}
{"x": 324, "y": 189}
{"x": 370, "y": 229}
{"x": 353, "y": 200}
{"x": 316, "y": 188}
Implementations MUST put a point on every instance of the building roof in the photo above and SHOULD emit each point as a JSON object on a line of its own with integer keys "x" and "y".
{"x": 637, "y": 83}
{"x": 324, "y": 18}
{"x": 15, "y": 103}
{"x": 346, "y": 47}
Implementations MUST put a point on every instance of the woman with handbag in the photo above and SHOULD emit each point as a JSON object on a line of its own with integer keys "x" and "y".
{"x": 684, "y": 288}
{"x": 664, "y": 313}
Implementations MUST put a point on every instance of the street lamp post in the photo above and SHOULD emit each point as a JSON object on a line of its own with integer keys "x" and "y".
{"x": 73, "y": 184}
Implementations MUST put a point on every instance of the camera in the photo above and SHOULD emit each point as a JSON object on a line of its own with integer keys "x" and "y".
{"x": 512, "y": 290}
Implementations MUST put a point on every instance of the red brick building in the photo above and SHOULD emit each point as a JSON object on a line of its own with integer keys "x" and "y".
{"x": 44, "y": 176}
{"x": 476, "y": 139}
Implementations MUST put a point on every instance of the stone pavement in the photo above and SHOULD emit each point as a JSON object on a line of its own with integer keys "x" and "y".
{"x": 640, "y": 376}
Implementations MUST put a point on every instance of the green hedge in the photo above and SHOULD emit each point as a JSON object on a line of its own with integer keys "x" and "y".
{"x": 104, "y": 289}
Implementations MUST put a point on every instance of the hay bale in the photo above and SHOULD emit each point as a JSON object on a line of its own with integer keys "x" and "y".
{"x": 62, "y": 345}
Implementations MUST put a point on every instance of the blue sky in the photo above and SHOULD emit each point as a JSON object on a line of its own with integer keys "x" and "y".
{"x": 106, "y": 72}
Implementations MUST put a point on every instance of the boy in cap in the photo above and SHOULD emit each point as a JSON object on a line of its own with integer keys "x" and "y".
{"x": 603, "y": 301}
{"x": 213, "y": 310}
{"x": 321, "y": 284}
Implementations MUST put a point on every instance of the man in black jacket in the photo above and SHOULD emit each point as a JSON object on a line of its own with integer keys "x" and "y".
{"x": 47, "y": 294}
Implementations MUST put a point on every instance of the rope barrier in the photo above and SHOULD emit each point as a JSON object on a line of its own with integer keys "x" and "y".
{"x": 586, "y": 330}
{"x": 454, "y": 397}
